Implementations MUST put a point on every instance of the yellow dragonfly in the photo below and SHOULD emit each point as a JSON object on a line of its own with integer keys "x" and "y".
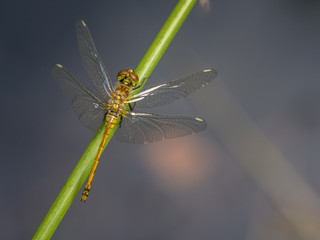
{"x": 108, "y": 105}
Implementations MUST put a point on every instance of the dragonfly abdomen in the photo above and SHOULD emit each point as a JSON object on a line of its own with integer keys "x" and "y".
{"x": 111, "y": 119}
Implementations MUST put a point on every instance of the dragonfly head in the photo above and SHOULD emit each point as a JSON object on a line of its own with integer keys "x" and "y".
{"x": 128, "y": 77}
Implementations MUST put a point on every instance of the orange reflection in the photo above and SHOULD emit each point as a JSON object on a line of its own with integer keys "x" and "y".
{"x": 181, "y": 164}
{"x": 205, "y": 5}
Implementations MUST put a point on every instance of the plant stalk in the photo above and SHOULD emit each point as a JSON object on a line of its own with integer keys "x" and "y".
{"x": 82, "y": 169}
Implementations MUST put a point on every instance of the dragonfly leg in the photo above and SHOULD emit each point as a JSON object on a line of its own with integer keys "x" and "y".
{"x": 140, "y": 85}
{"x": 121, "y": 118}
{"x": 131, "y": 106}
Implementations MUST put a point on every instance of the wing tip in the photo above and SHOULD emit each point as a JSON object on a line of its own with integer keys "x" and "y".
{"x": 212, "y": 72}
{"x": 201, "y": 121}
{"x": 81, "y": 24}
{"x": 57, "y": 68}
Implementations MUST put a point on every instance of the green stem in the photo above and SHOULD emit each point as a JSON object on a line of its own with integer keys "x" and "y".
{"x": 164, "y": 37}
{"x": 82, "y": 169}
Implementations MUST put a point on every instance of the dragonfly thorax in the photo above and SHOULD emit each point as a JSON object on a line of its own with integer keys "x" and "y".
{"x": 128, "y": 78}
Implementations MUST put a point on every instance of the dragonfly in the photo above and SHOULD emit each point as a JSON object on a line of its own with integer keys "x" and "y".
{"x": 116, "y": 101}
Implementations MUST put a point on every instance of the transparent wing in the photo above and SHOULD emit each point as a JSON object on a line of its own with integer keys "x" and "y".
{"x": 174, "y": 90}
{"x": 141, "y": 128}
{"x": 90, "y": 108}
{"x": 92, "y": 62}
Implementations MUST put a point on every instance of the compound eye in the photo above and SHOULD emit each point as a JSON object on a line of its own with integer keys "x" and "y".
{"x": 122, "y": 74}
{"x": 134, "y": 77}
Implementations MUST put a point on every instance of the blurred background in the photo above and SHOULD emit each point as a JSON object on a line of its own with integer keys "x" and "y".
{"x": 253, "y": 174}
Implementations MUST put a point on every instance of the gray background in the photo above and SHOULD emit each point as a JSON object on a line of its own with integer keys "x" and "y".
{"x": 267, "y": 55}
